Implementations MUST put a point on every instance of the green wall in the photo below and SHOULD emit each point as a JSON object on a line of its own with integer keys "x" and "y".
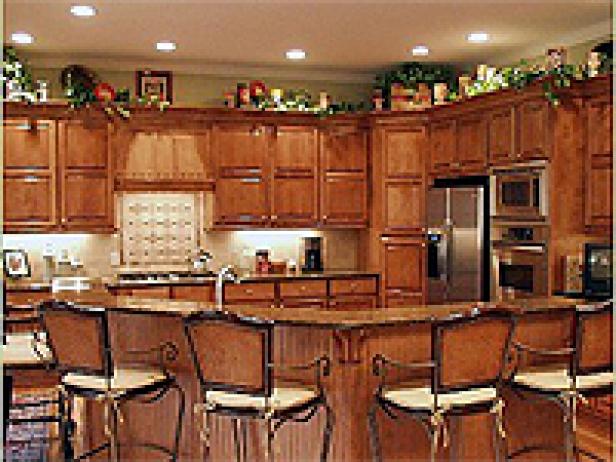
{"x": 208, "y": 90}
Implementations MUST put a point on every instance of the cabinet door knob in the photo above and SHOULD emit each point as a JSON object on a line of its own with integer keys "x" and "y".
{"x": 249, "y": 291}
{"x": 274, "y": 217}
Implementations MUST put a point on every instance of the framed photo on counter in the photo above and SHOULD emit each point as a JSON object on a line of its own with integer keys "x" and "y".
{"x": 155, "y": 83}
{"x": 16, "y": 263}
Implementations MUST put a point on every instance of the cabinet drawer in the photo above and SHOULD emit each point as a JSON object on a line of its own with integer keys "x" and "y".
{"x": 315, "y": 303}
{"x": 249, "y": 291}
{"x": 353, "y": 286}
{"x": 27, "y": 297}
{"x": 311, "y": 289}
{"x": 351, "y": 303}
{"x": 394, "y": 300}
{"x": 201, "y": 293}
{"x": 151, "y": 292}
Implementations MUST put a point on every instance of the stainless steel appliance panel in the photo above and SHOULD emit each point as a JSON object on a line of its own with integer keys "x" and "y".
{"x": 455, "y": 241}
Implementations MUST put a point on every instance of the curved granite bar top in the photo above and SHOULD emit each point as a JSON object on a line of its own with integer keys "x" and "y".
{"x": 311, "y": 316}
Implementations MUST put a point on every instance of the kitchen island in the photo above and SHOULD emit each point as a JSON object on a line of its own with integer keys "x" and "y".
{"x": 351, "y": 339}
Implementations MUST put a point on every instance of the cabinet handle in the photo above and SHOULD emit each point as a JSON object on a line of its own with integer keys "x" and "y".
{"x": 249, "y": 291}
{"x": 325, "y": 217}
{"x": 303, "y": 288}
{"x": 28, "y": 127}
{"x": 274, "y": 217}
{"x": 250, "y": 180}
{"x": 31, "y": 179}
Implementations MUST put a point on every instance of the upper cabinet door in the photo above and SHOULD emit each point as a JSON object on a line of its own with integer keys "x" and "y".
{"x": 240, "y": 149}
{"x": 534, "y": 130}
{"x": 404, "y": 152}
{"x": 344, "y": 149}
{"x": 501, "y": 135}
{"x": 295, "y": 150}
{"x": 472, "y": 143}
{"x": 86, "y": 184}
{"x": 241, "y": 202}
{"x": 599, "y": 129}
{"x": 442, "y": 146}
{"x": 83, "y": 146}
{"x": 29, "y": 174}
{"x": 29, "y": 144}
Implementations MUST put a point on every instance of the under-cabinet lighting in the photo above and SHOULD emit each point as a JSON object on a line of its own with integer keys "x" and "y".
{"x": 83, "y": 11}
{"x": 22, "y": 38}
{"x": 296, "y": 54}
{"x": 420, "y": 50}
{"x": 166, "y": 46}
{"x": 478, "y": 37}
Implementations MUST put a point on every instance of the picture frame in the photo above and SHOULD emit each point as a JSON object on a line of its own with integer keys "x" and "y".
{"x": 155, "y": 83}
{"x": 16, "y": 264}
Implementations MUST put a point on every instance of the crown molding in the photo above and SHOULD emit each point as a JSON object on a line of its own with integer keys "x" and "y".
{"x": 585, "y": 34}
{"x": 129, "y": 63}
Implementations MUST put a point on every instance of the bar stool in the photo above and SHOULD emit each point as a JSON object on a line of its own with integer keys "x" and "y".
{"x": 26, "y": 352}
{"x": 233, "y": 360}
{"x": 79, "y": 341}
{"x": 586, "y": 371}
{"x": 466, "y": 369}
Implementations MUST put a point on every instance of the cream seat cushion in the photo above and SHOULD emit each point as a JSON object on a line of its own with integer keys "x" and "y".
{"x": 423, "y": 399}
{"x": 559, "y": 380}
{"x": 281, "y": 399}
{"x": 23, "y": 349}
{"x": 123, "y": 380}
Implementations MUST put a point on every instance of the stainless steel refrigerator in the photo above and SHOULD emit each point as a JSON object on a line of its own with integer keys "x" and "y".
{"x": 458, "y": 246}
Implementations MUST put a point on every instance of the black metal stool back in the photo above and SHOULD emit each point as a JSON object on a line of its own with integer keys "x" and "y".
{"x": 470, "y": 352}
{"x": 220, "y": 343}
{"x": 78, "y": 338}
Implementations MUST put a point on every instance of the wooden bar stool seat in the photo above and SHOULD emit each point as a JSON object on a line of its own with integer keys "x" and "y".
{"x": 80, "y": 344}
{"x": 465, "y": 375}
{"x": 123, "y": 382}
{"x": 581, "y": 369}
{"x": 423, "y": 398}
{"x": 26, "y": 349}
{"x": 282, "y": 400}
{"x": 233, "y": 360}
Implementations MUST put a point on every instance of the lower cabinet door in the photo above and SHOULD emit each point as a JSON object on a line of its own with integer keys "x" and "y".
{"x": 241, "y": 202}
{"x": 404, "y": 267}
{"x": 294, "y": 201}
{"x": 87, "y": 201}
{"x": 344, "y": 200}
{"x": 29, "y": 201}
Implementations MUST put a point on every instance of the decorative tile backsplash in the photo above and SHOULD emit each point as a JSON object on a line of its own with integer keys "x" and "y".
{"x": 160, "y": 228}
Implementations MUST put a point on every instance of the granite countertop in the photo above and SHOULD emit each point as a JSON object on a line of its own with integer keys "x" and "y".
{"x": 198, "y": 280}
{"x": 310, "y": 316}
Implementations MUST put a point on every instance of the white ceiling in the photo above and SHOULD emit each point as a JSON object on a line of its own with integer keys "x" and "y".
{"x": 343, "y": 37}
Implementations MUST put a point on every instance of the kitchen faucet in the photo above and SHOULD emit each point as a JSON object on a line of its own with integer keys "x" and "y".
{"x": 226, "y": 274}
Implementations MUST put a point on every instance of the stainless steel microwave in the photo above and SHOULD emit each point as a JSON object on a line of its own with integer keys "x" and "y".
{"x": 519, "y": 193}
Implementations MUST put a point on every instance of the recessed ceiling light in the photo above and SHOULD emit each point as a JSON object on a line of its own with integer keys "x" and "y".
{"x": 165, "y": 46}
{"x": 22, "y": 37}
{"x": 420, "y": 50}
{"x": 83, "y": 11}
{"x": 478, "y": 37}
{"x": 296, "y": 54}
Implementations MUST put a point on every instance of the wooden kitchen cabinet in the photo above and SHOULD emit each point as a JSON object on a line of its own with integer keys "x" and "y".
{"x": 404, "y": 208}
{"x": 156, "y": 158}
{"x": 471, "y": 154}
{"x": 86, "y": 185}
{"x": 240, "y": 202}
{"x": 240, "y": 149}
{"x": 250, "y": 293}
{"x": 533, "y": 120}
{"x": 30, "y": 200}
{"x": 599, "y": 178}
{"x": 403, "y": 180}
{"x": 442, "y": 146}
{"x": 404, "y": 152}
{"x": 501, "y": 135}
{"x": 294, "y": 184}
{"x": 403, "y": 270}
{"x": 303, "y": 294}
{"x": 344, "y": 181}
{"x": 201, "y": 292}
{"x": 359, "y": 293}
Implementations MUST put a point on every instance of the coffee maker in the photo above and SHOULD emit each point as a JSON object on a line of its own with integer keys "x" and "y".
{"x": 312, "y": 254}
